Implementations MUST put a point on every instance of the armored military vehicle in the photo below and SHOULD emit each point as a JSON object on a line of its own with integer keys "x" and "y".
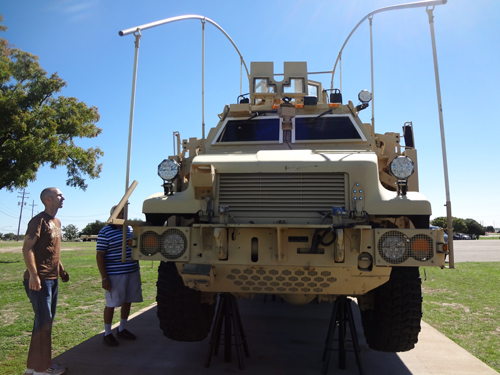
{"x": 291, "y": 194}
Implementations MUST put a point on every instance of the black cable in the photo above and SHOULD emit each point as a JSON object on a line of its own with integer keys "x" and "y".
{"x": 324, "y": 235}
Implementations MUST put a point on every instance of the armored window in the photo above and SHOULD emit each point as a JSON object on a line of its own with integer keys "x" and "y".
{"x": 296, "y": 86}
{"x": 251, "y": 130}
{"x": 326, "y": 128}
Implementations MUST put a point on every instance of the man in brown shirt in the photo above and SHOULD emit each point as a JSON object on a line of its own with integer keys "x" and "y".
{"x": 41, "y": 251}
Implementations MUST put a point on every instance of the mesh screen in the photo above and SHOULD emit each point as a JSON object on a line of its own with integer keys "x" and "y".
{"x": 421, "y": 247}
{"x": 181, "y": 244}
{"x": 150, "y": 243}
{"x": 391, "y": 244}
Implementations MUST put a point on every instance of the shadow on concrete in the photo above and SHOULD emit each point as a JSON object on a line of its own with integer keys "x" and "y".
{"x": 282, "y": 339}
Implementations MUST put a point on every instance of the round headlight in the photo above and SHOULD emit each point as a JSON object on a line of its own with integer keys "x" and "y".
{"x": 149, "y": 243}
{"x": 168, "y": 169}
{"x": 365, "y": 96}
{"x": 393, "y": 247}
{"x": 402, "y": 167}
{"x": 421, "y": 247}
{"x": 174, "y": 244}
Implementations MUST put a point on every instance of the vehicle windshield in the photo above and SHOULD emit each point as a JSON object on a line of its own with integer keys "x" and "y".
{"x": 325, "y": 127}
{"x": 252, "y": 130}
{"x": 306, "y": 128}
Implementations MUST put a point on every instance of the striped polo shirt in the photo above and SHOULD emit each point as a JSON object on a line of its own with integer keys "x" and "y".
{"x": 110, "y": 241}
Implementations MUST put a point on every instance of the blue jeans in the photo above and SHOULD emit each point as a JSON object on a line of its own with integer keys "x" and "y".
{"x": 44, "y": 302}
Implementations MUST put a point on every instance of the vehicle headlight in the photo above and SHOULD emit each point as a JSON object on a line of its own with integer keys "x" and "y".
{"x": 149, "y": 243}
{"x": 402, "y": 167}
{"x": 365, "y": 96}
{"x": 168, "y": 169}
{"x": 173, "y": 244}
{"x": 421, "y": 247}
{"x": 393, "y": 247}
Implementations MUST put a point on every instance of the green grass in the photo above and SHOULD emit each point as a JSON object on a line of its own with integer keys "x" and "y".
{"x": 464, "y": 305}
{"x": 79, "y": 309}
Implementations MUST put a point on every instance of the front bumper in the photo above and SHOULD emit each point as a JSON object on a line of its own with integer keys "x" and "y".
{"x": 274, "y": 258}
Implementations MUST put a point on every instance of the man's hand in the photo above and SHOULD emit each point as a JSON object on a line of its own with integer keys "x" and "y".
{"x": 64, "y": 276}
{"x": 106, "y": 284}
{"x": 35, "y": 282}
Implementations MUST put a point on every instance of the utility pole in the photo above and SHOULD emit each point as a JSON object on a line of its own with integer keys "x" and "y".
{"x": 33, "y": 208}
{"x": 22, "y": 203}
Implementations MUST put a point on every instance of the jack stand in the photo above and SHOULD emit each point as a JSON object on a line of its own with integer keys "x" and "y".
{"x": 342, "y": 313}
{"x": 228, "y": 316}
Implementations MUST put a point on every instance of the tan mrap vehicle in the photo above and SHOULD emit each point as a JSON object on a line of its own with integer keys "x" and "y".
{"x": 291, "y": 194}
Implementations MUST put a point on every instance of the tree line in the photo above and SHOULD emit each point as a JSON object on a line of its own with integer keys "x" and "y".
{"x": 465, "y": 226}
{"x": 71, "y": 232}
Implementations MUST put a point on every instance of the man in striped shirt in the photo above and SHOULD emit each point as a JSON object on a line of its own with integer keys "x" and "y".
{"x": 120, "y": 280}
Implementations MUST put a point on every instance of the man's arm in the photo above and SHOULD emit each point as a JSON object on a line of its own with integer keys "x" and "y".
{"x": 101, "y": 264}
{"x": 29, "y": 259}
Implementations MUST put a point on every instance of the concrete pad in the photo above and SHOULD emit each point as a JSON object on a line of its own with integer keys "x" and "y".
{"x": 282, "y": 339}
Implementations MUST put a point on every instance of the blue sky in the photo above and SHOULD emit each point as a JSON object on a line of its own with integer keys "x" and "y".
{"x": 79, "y": 40}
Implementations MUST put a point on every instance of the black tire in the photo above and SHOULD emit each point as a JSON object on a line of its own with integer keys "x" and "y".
{"x": 393, "y": 324}
{"x": 182, "y": 315}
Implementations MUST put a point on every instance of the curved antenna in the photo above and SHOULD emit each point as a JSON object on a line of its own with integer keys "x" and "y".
{"x": 181, "y": 18}
{"x": 137, "y": 33}
{"x": 418, "y": 4}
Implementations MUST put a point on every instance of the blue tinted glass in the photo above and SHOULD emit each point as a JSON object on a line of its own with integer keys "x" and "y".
{"x": 314, "y": 128}
{"x": 253, "y": 130}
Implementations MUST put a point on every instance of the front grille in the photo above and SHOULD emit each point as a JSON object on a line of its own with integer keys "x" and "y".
{"x": 284, "y": 281}
{"x": 247, "y": 194}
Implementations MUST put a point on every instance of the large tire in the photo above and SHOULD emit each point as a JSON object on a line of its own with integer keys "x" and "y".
{"x": 393, "y": 324}
{"x": 182, "y": 315}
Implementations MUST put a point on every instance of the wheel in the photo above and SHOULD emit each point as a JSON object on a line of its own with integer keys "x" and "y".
{"x": 393, "y": 324}
{"x": 182, "y": 315}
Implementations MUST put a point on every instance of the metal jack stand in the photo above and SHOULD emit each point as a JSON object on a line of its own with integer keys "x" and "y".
{"x": 228, "y": 316}
{"x": 342, "y": 313}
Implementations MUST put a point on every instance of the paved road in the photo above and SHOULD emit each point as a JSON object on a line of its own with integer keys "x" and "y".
{"x": 283, "y": 340}
{"x": 477, "y": 250}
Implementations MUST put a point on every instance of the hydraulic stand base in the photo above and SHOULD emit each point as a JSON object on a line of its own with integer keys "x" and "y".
{"x": 228, "y": 317}
{"x": 342, "y": 313}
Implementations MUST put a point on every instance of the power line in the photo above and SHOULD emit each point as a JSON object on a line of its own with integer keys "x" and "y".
{"x": 7, "y": 214}
{"x": 7, "y": 208}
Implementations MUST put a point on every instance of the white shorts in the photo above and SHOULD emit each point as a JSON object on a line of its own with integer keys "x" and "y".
{"x": 124, "y": 288}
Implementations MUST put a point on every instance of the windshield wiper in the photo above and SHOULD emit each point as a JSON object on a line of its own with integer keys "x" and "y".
{"x": 324, "y": 113}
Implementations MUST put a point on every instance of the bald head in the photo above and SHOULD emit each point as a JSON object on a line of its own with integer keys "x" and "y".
{"x": 46, "y": 193}
{"x": 52, "y": 199}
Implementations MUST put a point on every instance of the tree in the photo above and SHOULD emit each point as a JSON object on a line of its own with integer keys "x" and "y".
{"x": 474, "y": 228}
{"x": 9, "y": 236}
{"x": 93, "y": 228}
{"x": 490, "y": 228}
{"x": 459, "y": 225}
{"x": 70, "y": 232}
{"x": 38, "y": 126}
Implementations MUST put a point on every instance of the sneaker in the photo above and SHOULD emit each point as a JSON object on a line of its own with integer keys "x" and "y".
{"x": 125, "y": 334}
{"x": 55, "y": 369}
{"x": 57, "y": 366}
{"x": 109, "y": 340}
